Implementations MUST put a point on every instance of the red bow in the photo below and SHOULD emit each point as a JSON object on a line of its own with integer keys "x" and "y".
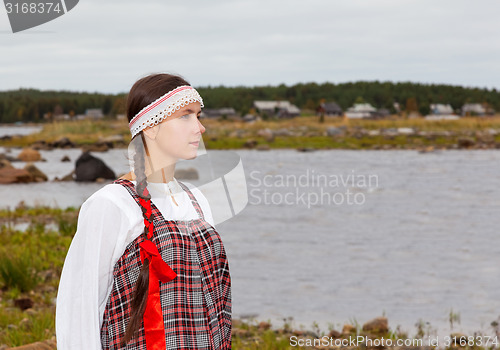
{"x": 153, "y": 318}
{"x": 158, "y": 271}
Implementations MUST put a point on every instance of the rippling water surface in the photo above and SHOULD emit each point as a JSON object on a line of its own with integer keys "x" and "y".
{"x": 421, "y": 241}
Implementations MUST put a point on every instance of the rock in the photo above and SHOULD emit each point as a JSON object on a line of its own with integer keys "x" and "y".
{"x": 24, "y": 303}
{"x": 37, "y": 174}
{"x": 63, "y": 142}
{"x": 65, "y": 159}
{"x": 389, "y": 132}
{"x": 465, "y": 142}
{"x": 95, "y": 147}
{"x": 427, "y": 149}
{"x": 263, "y": 147}
{"x": 68, "y": 177}
{"x": 89, "y": 168}
{"x": 4, "y": 156}
{"x": 41, "y": 145}
{"x": 25, "y": 323}
{"x": 264, "y": 325}
{"x": 29, "y": 155}
{"x": 267, "y": 134}
{"x": 333, "y": 131}
{"x": 334, "y": 334}
{"x": 186, "y": 174}
{"x": 458, "y": 339}
{"x": 13, "y": 175}
{"x": 4, "y": 163}
{"x": 348, "y": 329}
{"x": 305, "y": 149}
{"x": 406, "y": 131}
{"x": 377, "y": 325}
{"x": 250, "y": 143}
{"x": 282, "y": 132}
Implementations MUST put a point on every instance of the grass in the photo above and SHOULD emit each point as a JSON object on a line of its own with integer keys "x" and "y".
{"x": 80, "y": 132}
{"x": 18, "y": 271}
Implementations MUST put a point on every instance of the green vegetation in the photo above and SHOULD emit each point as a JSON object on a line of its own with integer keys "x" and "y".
{"x": 299, "y": 132}
{"x": 30, "y": 105}
{"x": 30, "y": 266}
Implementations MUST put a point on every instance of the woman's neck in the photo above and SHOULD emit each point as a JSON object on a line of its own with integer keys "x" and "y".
{"x": 164, "y": 175}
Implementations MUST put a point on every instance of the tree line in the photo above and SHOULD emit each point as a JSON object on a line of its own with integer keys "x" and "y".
{"x": 31, "y": 105}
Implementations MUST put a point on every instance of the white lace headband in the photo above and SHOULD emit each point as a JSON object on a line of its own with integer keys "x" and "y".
{"x": 163, "y": 107}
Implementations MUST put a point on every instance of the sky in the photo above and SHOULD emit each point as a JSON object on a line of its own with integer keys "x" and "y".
{"x": 105, "y": 46}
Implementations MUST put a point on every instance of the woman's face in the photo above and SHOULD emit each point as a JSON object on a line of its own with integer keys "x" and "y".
{"x": 179, "y": 135}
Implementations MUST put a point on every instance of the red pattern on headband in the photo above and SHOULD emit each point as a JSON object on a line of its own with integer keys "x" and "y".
{"x": 157, "y": 102}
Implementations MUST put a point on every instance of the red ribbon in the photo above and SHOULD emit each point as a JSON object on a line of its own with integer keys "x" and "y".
{"x": 153, "y": 318}
{"x": 159, "y": 270}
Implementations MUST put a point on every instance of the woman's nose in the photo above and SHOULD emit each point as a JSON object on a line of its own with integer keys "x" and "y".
{"x": 201, "y": 127}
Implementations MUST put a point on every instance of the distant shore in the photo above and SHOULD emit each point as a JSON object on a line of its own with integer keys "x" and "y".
{"x": 305, "y": 133}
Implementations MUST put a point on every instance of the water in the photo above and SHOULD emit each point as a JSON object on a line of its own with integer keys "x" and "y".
{"x": 12, "y": 129}
{"x": 420, "y": 242}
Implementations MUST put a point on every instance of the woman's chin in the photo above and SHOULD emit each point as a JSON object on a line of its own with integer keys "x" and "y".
{"x": 191, "y": 155}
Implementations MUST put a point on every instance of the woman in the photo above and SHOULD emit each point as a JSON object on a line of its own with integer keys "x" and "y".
{"x": 146, "y": 268}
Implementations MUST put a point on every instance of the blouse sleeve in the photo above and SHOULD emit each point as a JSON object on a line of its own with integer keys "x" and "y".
{"x": 87, "y": 273}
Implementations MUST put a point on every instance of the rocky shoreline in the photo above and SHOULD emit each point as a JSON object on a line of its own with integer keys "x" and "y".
{"x": 372, "y": 335}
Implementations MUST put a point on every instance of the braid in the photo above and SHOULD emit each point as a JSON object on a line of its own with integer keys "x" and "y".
{"x": 139, "y": 299}
{"x": 139, "y": 168}
{"x": 143, "y": 92}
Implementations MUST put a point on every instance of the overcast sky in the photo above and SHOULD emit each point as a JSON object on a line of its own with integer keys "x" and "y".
{"x": 105, "y": 45}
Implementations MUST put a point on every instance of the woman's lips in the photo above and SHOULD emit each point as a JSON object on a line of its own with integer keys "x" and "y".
{"x": 195, "y": 143}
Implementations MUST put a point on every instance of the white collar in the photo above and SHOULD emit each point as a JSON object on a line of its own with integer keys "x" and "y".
{"x": 171, "y": 187}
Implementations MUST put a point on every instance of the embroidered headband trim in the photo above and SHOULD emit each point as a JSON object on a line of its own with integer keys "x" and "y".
{"x": 163, "y": 107}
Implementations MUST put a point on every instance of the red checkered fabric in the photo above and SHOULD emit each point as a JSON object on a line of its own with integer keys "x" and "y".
{"x": 196, "y": 304}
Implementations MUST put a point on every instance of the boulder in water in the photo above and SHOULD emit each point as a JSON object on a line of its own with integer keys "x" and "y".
{"x": 29, "y": 155}
{"x": 89, "y": 168}
{"x": 36, "y": 174}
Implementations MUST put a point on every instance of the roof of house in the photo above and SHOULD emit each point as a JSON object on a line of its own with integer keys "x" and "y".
{"x": 263, "y": 105}
{"x": 331, "y": 106}
{"x": 362, "y": 107}
{"x": 440, "y": 108}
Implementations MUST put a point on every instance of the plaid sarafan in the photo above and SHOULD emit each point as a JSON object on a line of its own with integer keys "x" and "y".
{"x": 196, "y": 305}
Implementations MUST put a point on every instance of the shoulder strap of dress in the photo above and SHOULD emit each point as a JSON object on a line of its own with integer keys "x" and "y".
{"x": 196, "y": 205}
{"x": 145, "y": 205}
{"x": 130, "y": 188}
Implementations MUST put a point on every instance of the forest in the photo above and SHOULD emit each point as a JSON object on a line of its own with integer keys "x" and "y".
{"x": 32, "y": 105}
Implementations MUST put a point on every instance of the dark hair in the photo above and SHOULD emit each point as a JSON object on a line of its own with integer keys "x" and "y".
{"x": 143, "y": 92}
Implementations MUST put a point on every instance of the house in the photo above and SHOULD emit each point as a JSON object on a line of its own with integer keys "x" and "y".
{"x": 361, "y": 110}
{"x": 476, "y": 109}
{"x": 214, "y": 113}
{"x": 280, "y": 109}
{"x": 94, "y": 113}
{"x": 439, "y": 111}
{"x": 329, "y": 109}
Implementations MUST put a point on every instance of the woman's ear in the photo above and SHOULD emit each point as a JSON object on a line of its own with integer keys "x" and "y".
{"x": 151, "y": 132}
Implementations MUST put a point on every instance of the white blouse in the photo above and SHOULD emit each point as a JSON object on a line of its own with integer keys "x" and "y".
{"x": 108, "y": 221}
